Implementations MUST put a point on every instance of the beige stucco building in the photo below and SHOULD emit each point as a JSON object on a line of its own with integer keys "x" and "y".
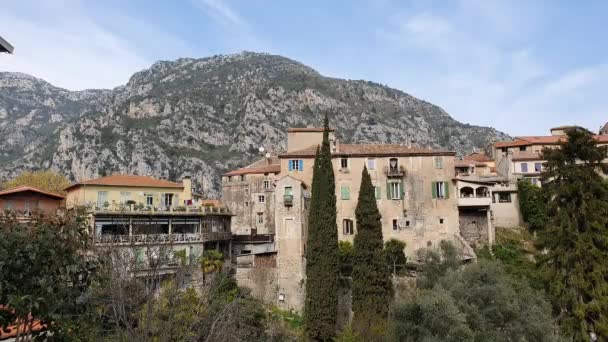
{"x": 415, "y": 192}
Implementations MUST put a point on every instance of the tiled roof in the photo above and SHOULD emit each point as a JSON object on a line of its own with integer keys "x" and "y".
{"x": 307, "y": 129}
{"x": 24, "y": 188}
{"x": 362, "y": 150}
{"x": 543, "y": 140}
{"x": 466, "y": 163}
{"x": 273, "y": 168}
{"x": 129, "y": 180}
{"x": 478, "y": 157}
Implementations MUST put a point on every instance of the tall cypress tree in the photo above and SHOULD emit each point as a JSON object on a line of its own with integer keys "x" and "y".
{"x": 576, "y": 235}
{"x": 372, "y": 287}
{"x": 321, "y": 305}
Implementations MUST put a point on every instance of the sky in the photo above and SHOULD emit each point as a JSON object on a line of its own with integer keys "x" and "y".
{"x": 519, "y": 66}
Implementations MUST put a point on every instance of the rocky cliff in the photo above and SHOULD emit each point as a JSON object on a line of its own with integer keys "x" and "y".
{"x": 202, "y": 117}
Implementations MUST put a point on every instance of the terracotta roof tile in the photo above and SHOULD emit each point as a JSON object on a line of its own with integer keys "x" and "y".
{"x": 543, "y": 140}
{"x": 478, "y": 157}
{"x": 526, "y": 155}
{"x": 370, "y": 150}
{"x": 129, "y": 180}
{"x": 24, "y": 188}
{"x": 274, "y": 168}
{"x": 466, "y": 163}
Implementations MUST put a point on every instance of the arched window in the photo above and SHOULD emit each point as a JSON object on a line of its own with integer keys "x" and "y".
{"x": 467, "y": 192}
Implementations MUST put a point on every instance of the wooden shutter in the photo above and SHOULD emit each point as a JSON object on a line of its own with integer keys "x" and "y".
{"x": 301, "y": 165}
{"x": 378, "y": 192}
{"x": 434, "y": 189}
{"x": 446, "y": 187}
{"x": 401, "y": 190}
{"x": 388, "y": 190}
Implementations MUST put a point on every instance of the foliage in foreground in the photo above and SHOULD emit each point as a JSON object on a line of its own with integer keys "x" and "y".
{"x": 576, "y": 235}
{"x": 532, "y": 205}
{"x": 394, "y": 254}
{"x": 321, "y": 303}
{"x": 480, "y": 302}
{"x": 372, "y": 290}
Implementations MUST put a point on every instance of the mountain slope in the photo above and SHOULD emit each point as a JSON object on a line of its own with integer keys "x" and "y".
{"x": 204, "y": 116}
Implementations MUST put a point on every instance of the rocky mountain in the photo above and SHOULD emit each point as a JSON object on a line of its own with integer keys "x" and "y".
{"x": 202, "y": 117}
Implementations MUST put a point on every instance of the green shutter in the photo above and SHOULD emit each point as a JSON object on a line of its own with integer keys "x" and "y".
{"x": 434, "y": 189}
{"x": 345, "y": 190}
{"x": 447, "y": 189}
{"x": 378, "y": 192}
{"x": 388, "y": 190}
{"x": 401, "y": 190}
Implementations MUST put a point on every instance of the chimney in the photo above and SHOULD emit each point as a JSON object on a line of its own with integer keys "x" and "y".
{"x": 187, "y": 182}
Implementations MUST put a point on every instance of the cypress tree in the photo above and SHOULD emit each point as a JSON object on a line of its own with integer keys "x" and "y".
{"x": 321, "y": 304}
{"x": 372, "y": 286}
{"x": 576, "y": 235}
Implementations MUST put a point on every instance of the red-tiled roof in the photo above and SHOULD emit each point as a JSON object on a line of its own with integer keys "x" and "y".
{"x": 478, "y": 157}
{"x": 129, "y": 180}
{"x": 273, "y": 168}
{"x": 307, "y": 129}
{"x": 25, "y": 188}
{"x": 543, "y": 140}
{"x": 362, "y": 150}
{"x": 11, "y": 330}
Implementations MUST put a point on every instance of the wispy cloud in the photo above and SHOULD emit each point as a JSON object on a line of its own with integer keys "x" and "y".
{"x": 221, "y": 12}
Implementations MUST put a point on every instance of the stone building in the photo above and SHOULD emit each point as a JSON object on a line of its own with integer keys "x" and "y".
{"x": 414, "y": 190}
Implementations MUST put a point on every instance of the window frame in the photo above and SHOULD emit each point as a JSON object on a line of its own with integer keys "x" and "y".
{"x": 260, "y": 218}
{"x": 261, "y": 199}
{"x": 373, "y": 163}
{"x": 395, "y": 224}
{"x": 344, "y": 192}
{"x": 348, "y": 226}
{"x": 344, "y": 163}
{"x": 266, "y": 184}
{"x": 438, "y": 161}
{"x": 523, "y": 167}
{"x": 149, "y": 199}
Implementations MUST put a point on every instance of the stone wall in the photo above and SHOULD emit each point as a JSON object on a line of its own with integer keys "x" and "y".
{"x": 261, "y": 280}
{"x": 474, "y": 226}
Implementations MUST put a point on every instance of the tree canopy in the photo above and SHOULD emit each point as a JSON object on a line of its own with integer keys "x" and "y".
{"x": 43, "y": 180}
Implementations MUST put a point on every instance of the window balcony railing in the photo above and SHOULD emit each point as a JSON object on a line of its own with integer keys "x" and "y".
{"x": 398, "y": 171}
{"x": 161, "y": 209}
{"x": 139, "y": 239}
{"x": 288, "y": 200}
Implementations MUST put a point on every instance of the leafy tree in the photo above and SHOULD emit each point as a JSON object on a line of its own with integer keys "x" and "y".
{"x": 211, "y": 262}
{"x": 345, "y": 255}
{"x": 576, "y": 235}
{"x": 532, "y": 204}
{"x": 480, "y": 302}
{"x": 436, "y": 263}
{"x": 393, "y": 252}
{"x": 43, "y": 180}
{"x": 46, "y": 270}
{"x": 372, "y": 289}
{"x": 321, "y": 303}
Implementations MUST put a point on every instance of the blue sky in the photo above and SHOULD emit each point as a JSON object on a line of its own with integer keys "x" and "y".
{"x": 519, "y": 66}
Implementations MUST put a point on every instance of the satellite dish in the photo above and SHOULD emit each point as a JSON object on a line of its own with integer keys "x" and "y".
{"x": 267, "y": 155}
{"x": 261, "y": 149}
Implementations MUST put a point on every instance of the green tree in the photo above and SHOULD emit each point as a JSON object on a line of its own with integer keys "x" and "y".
{"x": 211, "y": 262}
{"x": 393, "y": 252}
{"x": 436, "y": 263}
{"x": 576, "y": 235}
{"x": 532, "y": 204}
{"x": 345, "y": 255}
{"x": 43, "y": 180}
{"x": 479, "y": 302}
{"x": 321, "y": 303}
{"x": 372, "y": 287}
{"x": 46, "y": 270}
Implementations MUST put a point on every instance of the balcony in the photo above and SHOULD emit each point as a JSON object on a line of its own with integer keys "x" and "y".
{"x": 288, "y": 200}
{"x": 474, "y": 201}
{"x": 398, "y": 171}
{"x": 154, "y": 239}
{"x": 162, "y": 210}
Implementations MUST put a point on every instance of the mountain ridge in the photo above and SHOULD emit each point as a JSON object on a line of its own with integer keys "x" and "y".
{"x": 205, "y": 116}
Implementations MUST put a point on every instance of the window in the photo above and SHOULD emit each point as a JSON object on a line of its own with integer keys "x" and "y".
{"x": 288, "y": 191}
{"x": 348, "y": 227}
{"x": 378, "y": 192}
{"x": 371, "y": 164}
{"x": 504, "y": 197}
{"x": 261, "y": 199}
{"x": 393, "y": 164}
{"x": 395, "y": 224}
{"x": 296, "y": 165}
{"x": 168, "y": 200}
{"x": 149, "y": 199}
{"x": 440, "y": 190}
{"x": 102, "y": 198}
{"x": 125, "y": 196}
{"x": 440, "y": 221}
{"x": 439, "y": 162}
{"x": 344, "y": 163}
{"x": 246, "y": 203}
{"x": 504, "y": 150}
{"x": 395, "y": 189}
{"x": 242, "y": 178}
{"x": 538, "y": 167}
{"x": 524, "y": 167}
{"x": 260, "y": 217}
{"x": 407, "y": 223}
{"x": 345, "y": 192}
{"x": 266, "y": 184}
{"x": 522, "y": 148}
